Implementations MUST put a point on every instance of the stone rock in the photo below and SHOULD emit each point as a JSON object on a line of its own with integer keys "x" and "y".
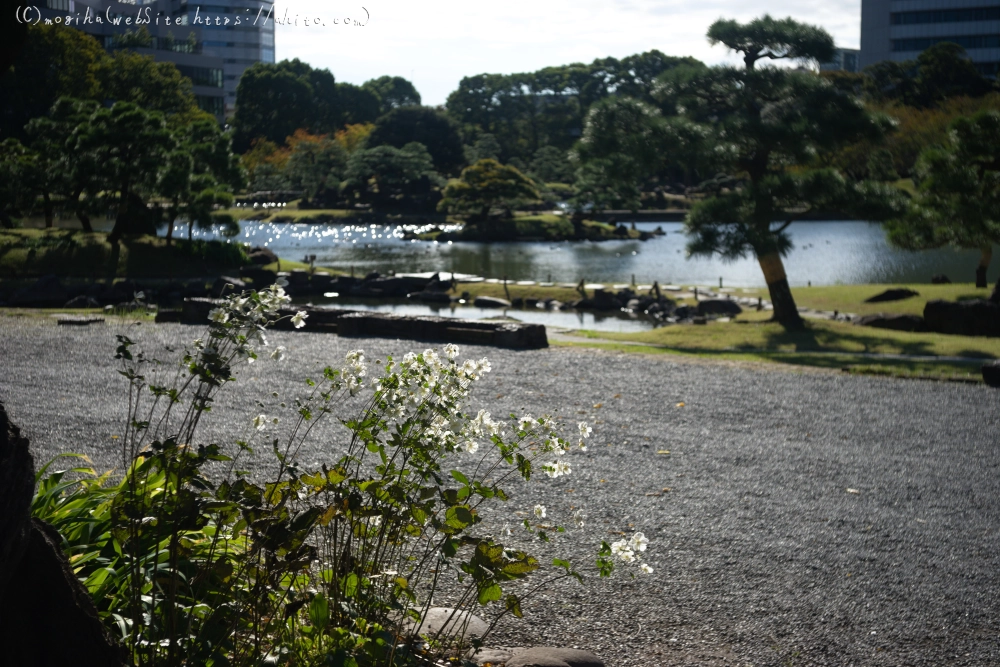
{"x": 260, "y": 278}
{"x": 46, "y": 292}
{"x": 991, "y": 373}
{"x": 894, "y": 321}
{"x": 719, "y": 307}
{"x": 684, "y": 312}
{"x": 374, "y": 275}
{"x": 430, "y": 297}
{"x": 449, "y": 623}
{"x": 46, "y": 615}
{"x": 227, "y": 286}
{"x": 894, "y": 294}
{"x": 298, "y": 278}
{"x": 17, "y": 484}
{"x": 545, "y": 656}
{"x": 82, "y": 301}
{"x": 490, "y": 302}
{"x": 605, "y": 300}
{"x": 262, "y": 255}
{"x": 940, "y": 279}
{"x": 513, "y": 335}
{"x": 492, "y": 656}
{"x": 975, "y": 317}
{"x": 517, "y": 302}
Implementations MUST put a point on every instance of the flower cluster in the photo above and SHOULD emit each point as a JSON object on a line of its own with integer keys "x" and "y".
{"x": 628, "y": 550}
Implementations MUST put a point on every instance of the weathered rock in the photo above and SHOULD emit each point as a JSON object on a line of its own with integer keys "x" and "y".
{"x": 226, "y": 286}
{"x": 490, "y": 302}
{"x": 262, "y": 255}
{"x": 82, "y": 301}
{"x": 47, "y": 618}
{"x": 991, "y": 373}
{"x": 261, "y": 278}
{"x": 298, "y": 278}
{"x": 894, "y": 321}
{"x": 46, "y": 292}
{"x": 447, "y": 623}
{"x": 605, "y": 300}
{"x": 428, "y": 296}
{"x": 975, "y": 317}
{"x": 719, "y": 307}
{"x": 17, "y": 483}
{"x": 545, "y": 656}
{"x": 894, "y": 294}
{"x": 940, "y": 279}
{"x": 513, "y": 335}
{"x": 491, "y": 656}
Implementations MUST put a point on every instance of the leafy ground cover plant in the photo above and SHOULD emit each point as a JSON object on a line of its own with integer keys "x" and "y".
{"x": 194, "y": 561}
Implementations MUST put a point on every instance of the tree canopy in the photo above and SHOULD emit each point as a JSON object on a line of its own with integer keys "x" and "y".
{"x": 426, "y": 126}
{"x": 958, "y": 199}
{"x": 755, "y": 124}
{"x": 393, "y": 92}
{"x": 485, "y": 186}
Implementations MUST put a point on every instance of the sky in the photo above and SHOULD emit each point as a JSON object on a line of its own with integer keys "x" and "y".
{"x": 435, "y": 43}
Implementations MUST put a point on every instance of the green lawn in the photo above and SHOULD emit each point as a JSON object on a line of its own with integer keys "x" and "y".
{"x": 822, "y": 344}
{"x": 850, "y": 298}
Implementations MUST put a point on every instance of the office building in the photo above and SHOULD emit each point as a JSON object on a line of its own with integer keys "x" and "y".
{"x": 239, "y": 32}
{"x": 210, "y": 44}
{"x": 845, "y": 60}
{"x": 900, "y": 29}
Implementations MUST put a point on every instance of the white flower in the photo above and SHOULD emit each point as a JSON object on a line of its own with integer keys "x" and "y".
{"x": 525, "y": 423}
{"x": 645, "y": 568}
{"x": 259, "y": 422}
{"x": 451, "y": 350}
{"x": 281, "y": 282}
{"x": 471, "y": 446}
{"x": 622, "y": 550}
{"x": 562, "y": 468}
{"x": 585, "y": 430}
{"x": 583, "y": 446}
{"x": 218, "y": 315}
{"x": 279, "y": 353}
{"x": 578, "y": 518}
{"x": 199, "y": 344}
{"x": 540, "y": 511}
{"x": 638, "y": 542}
{"x": 299, "y": 319}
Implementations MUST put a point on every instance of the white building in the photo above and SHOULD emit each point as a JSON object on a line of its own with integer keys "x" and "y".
{"x": 900, "y": 29}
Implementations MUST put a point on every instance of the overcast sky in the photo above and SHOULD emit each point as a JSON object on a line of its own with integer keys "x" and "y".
{"x": 437, "y": 42}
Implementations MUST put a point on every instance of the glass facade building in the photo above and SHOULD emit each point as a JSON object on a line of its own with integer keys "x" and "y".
{"x": 900, "y": 29}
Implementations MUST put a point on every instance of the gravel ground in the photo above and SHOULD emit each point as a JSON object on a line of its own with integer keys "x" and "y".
{"x": 761, "y": 554}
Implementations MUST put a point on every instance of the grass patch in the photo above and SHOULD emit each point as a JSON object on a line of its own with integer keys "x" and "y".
{"x": 850, "y": 298}
{"x": 26, "y": 253}
{"x": 823, "y": 344}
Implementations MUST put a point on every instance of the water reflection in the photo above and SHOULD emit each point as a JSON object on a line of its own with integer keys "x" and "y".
{"x": 825, "y": 253}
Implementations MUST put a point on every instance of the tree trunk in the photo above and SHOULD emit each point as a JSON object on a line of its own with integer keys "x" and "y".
{"x": 986, "y": 254}
{"x": 47, "y": 207}
{"x": 171, "y": 215}
{"x": 785, "y": 311}
{"x": 995, "y": 297}
{"x": 81, "y": 213}
{"x": 190, "y": 229}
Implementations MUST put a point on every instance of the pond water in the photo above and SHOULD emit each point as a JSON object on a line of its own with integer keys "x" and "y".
{"x": 824, "y": 253}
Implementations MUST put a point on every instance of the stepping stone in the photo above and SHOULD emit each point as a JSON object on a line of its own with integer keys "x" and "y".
{"x": 526, "y": 283}
{"x": 546, "y": 656}
{"x": 455, "y": 624}
{"x": 593, "y": 286}
{"x": 78, "y": 320}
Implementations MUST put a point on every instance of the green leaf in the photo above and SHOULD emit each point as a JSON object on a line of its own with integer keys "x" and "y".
{"x": 319, "y": 611}
{"x": 459, "y": 517}
{"x": 489, "y": 593}
{"x": 457, "y": 474}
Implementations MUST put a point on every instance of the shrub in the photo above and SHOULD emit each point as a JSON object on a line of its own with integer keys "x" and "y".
{"x": 195, "y": 562}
